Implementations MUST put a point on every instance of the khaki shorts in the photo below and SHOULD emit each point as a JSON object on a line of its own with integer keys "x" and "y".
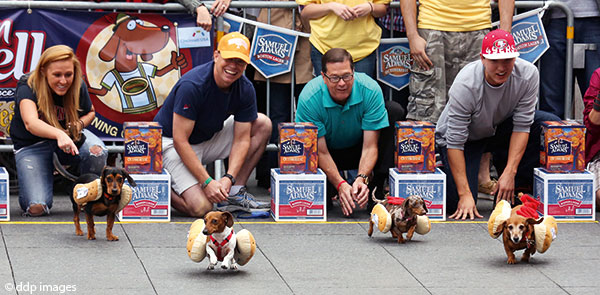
{"x": 216, "y": 148}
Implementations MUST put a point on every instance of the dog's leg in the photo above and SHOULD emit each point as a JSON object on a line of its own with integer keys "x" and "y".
{"x": 411, "y": 231}
{"x": 527, "y": 253}
{"x": 511, "y": 255}
{"x": 370, "y": 232}
{"x": 76, "y": 221}
{"x": 212, "y": 257}
{"x": 89, "y": 219}
{"x": 229, "y": 261}
{"x": 398, "y": 235}
{"x": 110, "y": 220}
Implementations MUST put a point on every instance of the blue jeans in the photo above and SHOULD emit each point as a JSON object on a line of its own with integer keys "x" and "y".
{"x": 552, "y": 64}
{"x": 366, "y": 65}
{"x": 498, "y": 145}
{"x": 35, "y": 168}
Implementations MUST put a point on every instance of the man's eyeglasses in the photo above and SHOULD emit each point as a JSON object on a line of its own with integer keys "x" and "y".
{"x": 335, "y": 79}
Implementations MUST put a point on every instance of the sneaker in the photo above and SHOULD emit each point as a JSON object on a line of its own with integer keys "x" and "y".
{"x": 243, "y": 201}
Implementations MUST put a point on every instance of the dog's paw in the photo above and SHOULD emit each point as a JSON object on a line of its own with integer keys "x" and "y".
{"x": 234, "y": 266}
{"x": 91, "y": 237}
{"x": 511, "y": 260}
{"x": 112, "y": 238}
{"x": 211, "y": 267}
{"x": 79, "y": 233}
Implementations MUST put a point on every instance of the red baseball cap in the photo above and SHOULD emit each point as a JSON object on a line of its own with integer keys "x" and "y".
{"x": 498, "y": 44}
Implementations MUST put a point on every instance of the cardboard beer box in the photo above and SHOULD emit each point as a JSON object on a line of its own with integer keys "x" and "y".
{"x": 151, "y": 199}
{"x": 429, "y": 186}
{"x": 298, "y": 148}
{"x": 143, "y": 147}
{"x": 566, "y": 196}
{"x": 298, "y": 196}
{"x": 4, "y": 195}
{"x": 562, "y": 146}
{"x": 415, "y": 146}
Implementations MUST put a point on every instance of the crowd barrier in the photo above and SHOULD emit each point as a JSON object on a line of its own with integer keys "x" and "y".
{"x": 116, "y": 147}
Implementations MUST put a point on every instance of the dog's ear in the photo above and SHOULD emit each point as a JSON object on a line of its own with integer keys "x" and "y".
{"x": 228, "y": 218}
{"x": 532, "y": 221}
{"x": 104, "y": 172}
{"x": 405, "y": 207}
{"x": 129, "y": 178}
{"x": 424, "y": 205}
{"x": 500, "y": 228}
{"x": 109, "y": 51}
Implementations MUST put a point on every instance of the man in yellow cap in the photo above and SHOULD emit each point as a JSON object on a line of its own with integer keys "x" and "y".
{"x": 211, "y": 114}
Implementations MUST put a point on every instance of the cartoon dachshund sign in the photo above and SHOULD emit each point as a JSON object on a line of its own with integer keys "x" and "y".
{"x": 131, "y": 78}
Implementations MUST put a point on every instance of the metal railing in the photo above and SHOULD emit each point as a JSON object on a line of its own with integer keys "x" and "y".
{"x": 114, "y": 147}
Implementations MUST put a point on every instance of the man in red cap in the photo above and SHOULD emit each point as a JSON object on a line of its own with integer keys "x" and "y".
{"x": 491, "y": 108}
{"x": 211, "y": 114}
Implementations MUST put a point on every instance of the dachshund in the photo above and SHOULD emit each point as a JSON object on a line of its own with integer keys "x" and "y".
{"x": 130, "y": 39}
{"x": 404, "y": 215}
{"x": 112, "y": 180}
{"x": 220, "y": 239}
{"x": 517, "y": 234}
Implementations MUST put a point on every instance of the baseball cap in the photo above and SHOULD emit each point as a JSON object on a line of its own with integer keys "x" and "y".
{"x": 498, "y": 44}
{"x": 235, "y": 45}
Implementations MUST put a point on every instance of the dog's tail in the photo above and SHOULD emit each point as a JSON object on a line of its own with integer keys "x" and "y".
{"x": 378, "y": 201}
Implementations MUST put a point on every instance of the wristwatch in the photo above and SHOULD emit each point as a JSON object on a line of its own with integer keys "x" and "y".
{"x": 230, "y": 178}
{"x": 366, "y": 178}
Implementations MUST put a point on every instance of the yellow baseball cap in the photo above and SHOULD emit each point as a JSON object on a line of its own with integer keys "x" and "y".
{"x": 235, "y": 45}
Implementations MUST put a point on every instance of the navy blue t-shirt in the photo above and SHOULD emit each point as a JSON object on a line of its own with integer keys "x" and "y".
{"x": 197, "y": 97}
{"x": 19, "y": 134}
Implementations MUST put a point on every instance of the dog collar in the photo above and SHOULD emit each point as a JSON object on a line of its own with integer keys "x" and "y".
{"x": 108, "y": 197}
{"x": 221, "y": 244}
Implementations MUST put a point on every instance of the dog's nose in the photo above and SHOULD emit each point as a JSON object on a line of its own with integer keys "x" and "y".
{"x": 205, "y": 232}
{"x": 165, "y": 28}
{"x": 516, "y": 240}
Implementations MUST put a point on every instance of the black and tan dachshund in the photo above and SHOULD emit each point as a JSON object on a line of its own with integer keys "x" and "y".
{"x": 112, "y": 180}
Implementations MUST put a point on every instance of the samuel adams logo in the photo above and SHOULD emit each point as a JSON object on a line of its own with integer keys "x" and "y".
{"x": 559, "y": 147}
{"x": 527, "y": 36}
{"x": 569, "y": 195}
{"x": 136, "y": 148}
{"x": 273, "y": 50}
{"x": 292, "y": 148}
{"x": 409, "y": 147}
{"x": 396, "y": 61}
{"x": 301, "y": 196}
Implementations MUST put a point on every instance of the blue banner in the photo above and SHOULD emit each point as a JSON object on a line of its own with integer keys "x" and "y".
{"x": 394, "y": 62}
{"x": 530, "y": 37}
{"x": 272, "y": 51}
{"x": 529, "y": 34}
{"x": 125, "y": 83}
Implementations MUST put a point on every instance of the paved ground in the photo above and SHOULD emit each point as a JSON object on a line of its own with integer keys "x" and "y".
{"x": 336, "y": 257}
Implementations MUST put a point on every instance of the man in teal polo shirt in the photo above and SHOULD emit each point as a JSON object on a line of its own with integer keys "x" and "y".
{"x": 355, "y": 127}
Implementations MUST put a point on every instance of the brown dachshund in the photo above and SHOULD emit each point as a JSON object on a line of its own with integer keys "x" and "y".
{"x": 404, "y": 215}
{"x": 131, "y": 38}
{"x": 112, "y": 180}
{"x": 220, "y": 239}
{"x": 518, "y": 234}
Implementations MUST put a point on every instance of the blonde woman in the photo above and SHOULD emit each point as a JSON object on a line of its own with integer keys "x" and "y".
{"x": 52, "y": 109}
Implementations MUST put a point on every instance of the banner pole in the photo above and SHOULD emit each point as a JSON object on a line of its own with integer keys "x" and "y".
{"x": 175, "y": 24}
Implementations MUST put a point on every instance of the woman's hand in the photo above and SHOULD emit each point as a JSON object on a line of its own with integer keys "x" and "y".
{"x": 65, "y": 143}
{"x": 219, "y": 7}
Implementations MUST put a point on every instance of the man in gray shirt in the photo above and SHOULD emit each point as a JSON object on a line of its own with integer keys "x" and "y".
{"x": 491, "y": 108}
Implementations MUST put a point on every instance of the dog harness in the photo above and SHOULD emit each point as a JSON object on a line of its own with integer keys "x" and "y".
{"x": 399, "y": 201}
{"x": 221, "y": 244}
